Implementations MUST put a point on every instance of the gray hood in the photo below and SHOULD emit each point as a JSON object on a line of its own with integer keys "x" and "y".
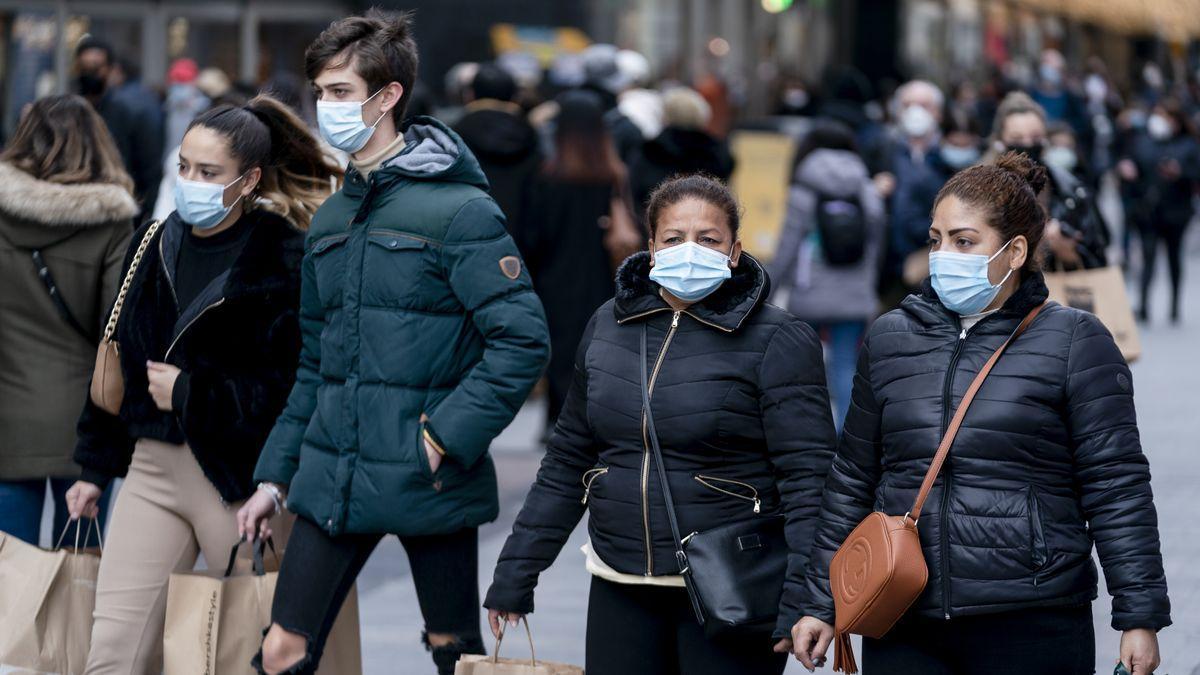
{"x": 837, "y": 173}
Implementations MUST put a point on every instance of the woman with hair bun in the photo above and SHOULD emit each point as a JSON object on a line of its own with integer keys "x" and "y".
{"x": 1047, "y": 463}
{"x": 210, "y": 337}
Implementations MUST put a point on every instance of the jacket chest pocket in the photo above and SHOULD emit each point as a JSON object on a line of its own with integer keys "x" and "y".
{"x": 329, "y": 262}
{"x": 394, "y": 266}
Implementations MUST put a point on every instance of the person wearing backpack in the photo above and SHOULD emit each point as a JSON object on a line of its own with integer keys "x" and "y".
{"x": 828, "y": 254}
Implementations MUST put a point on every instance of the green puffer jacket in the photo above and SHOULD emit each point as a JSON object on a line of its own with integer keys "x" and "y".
{"x": 414, "y": 303}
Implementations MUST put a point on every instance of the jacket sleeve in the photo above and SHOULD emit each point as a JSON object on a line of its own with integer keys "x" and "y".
{"x": 508, "y": 315}
{"x": 798, "y": 427}
{"x": 849, "y": 491}
{"x": 103, "y": 446}
{"x": 223, "y": 407}
{"x": 554, "y": 504}
{"x": 281, "y": 455}
{"x": 796, "y": 226}
{"x": 1113, "y": 477}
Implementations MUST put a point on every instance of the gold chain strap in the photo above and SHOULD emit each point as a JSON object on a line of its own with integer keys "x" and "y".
{"x": 111, "y": 328}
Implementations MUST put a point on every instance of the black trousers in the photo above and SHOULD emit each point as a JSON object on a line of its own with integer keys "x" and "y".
{"x": 1171, "y": 235}
{"x": 318, "y": 571}
{"x": 1044, "y": 641}
{"x": 650, "y": 630}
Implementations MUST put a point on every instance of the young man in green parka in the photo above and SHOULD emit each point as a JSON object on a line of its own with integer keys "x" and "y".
{"x": 422, "y": 337}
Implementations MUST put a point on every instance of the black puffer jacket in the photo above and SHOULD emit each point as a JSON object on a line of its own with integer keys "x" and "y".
{"x": 238, "y": 345}
{"x": 740, "y": 404}
{"x": 1047, "y": 462}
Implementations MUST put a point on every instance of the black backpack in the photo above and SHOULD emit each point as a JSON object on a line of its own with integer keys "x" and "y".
{"x": 842, "y": 228}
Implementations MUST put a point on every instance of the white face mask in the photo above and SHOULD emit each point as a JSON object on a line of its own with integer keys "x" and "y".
{"x": 1158, "y": 127}
{"x": 690, "y": 271}
{"x": 916, "y": 121}
{"x": 1061, "y": 157}
{"x": 341, "y": 123}
{"x": 202, "y": 205}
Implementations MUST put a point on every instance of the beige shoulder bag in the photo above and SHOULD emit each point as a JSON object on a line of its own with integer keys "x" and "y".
{"x": 880, "y": 570}
{"x": 108, "y": 384}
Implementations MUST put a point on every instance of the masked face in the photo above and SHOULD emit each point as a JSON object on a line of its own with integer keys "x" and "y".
{"x": 342, "y": 126}
{"x": 962, "y": 256}
{"x": 694, "y": 249}
{"x": 202, "y": 205}
{"x": 917, "y": 122}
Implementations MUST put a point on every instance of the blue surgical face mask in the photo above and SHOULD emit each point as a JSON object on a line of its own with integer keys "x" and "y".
{"x": 690, "y": 271}
{"x": 960, "y": 157}
{"x": 961, "y": 280}
{"x": 342, "y": 126}
{"x": 202, "y": 205}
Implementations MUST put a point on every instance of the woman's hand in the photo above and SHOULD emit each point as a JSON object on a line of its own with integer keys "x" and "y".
{"x": 82, "y": 499}
{"x": 495, "y": 616}
{"x": 1139, "y": 651}
{"x": 811, "y": 638}
{"x": 254, "y": 518}
{"x": 162, "y": 378}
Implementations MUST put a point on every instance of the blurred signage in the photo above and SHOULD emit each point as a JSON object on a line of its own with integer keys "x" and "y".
{"x": 544, "y": 42}
{"x": 760, "y": 181}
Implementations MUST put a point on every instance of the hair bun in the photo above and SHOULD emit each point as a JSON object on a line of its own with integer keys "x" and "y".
{"x": 1023, "y": 166}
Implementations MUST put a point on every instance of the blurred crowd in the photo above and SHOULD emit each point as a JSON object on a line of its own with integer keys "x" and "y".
{"x": 572, "y": 152}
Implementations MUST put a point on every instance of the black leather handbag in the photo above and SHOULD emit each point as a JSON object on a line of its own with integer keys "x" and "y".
{"x": 734, "y": 573}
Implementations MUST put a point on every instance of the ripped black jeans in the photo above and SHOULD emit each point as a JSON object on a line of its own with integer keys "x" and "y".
{"x": 318, "y": 571}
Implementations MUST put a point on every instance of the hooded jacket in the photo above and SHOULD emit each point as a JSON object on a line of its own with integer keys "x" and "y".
{"x": 507, "y": 149}
{"x": 819, "y": 291}
{"x": 674, "y": 151}
{"x": 81, "y": 232}
{"x": 236, "y": 344}
{"x": 419, "y": 322}
{"x": 743, "y": 419}
{"x": 1047, "y": 463}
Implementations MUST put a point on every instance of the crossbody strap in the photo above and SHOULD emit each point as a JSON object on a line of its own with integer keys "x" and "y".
{"x": 110, "y": 328}
{"x": 943, "y": 450}
{"x": 60, "y": 304}
{"x": 652, "y": 436}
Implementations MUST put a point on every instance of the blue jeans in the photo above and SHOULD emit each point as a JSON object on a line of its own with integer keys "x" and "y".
{"x": 841, "y": 339}
{"x": 21, "y": 504}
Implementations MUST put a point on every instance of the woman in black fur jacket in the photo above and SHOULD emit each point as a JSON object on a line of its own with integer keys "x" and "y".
{"x": 209, "y": 339}
{"x": 742, "y": 415}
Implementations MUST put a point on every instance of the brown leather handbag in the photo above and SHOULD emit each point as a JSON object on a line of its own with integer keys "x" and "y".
{"x": 108, "y": 384}
{"x": 880, "y": 571}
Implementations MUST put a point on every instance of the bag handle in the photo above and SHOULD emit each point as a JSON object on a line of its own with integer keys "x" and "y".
{"x": 110, "y": 328}
{"x": 951, "y": 431}
{"x": 258, "y": 567}
{"x": 87, "y": 535}
{"x": 680, "y": 555}
{"x": 500, "y": 638}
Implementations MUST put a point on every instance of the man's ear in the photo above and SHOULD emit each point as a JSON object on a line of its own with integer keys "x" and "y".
{"x": 392, "y": 93}
{"x": 735, "y": 254}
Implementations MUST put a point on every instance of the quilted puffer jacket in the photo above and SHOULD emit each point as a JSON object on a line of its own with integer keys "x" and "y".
{"x": 1047, "y": 464}
{"x": 743, "y": 419}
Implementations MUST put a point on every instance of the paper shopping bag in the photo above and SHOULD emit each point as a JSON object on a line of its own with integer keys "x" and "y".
{"x": 478, "y": 664}
{"x": 46, "y": 603}
{"x": 1102, "y": 292}
{"x": 215, "y": 623}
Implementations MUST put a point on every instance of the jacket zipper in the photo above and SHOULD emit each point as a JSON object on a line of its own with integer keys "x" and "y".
{"x": 167, "y": 356}
{"x": 947, "y": 473}
{"x": 590, "y": 477}
{"x": 704, "y": 480}
{"x": 662, "y": 352}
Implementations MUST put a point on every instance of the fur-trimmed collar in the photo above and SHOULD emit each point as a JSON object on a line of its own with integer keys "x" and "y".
{"x": 1030, "y": 293}
{"x": 54, "y": 204}
{"x": 727, "y": 307}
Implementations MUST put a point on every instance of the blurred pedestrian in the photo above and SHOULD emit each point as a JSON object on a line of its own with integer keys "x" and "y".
{"x": 962, "y": 140}
{"x": 66, "y": 212}
{"x": 1054, "y": 94}
{"x": 209, "y": 338}
{"x": 1076, "y": 236}
{"x": 828, "y": 253}
{"x": 421, "y": 337}
{"x": 496, "y": 131}
{"x": 133, "y": 115}
{"x": 682, "y": 147}
{"x": 1046, "y": 465}
{"x": 909, "y": 176}
{"x": 602, "y": 75}
{"x": 577, "y": 200}
{"x": 642, "y": 105}
{"x": 184, "y": 100}
{"x": 743, "y": 420}
{"x": 1164, "y": 166}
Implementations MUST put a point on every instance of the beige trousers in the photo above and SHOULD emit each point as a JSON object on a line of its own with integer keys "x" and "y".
{"x": 165, "y": 514}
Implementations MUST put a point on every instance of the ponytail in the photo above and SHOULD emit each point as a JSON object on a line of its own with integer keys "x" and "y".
{"x": 297, "y": 176}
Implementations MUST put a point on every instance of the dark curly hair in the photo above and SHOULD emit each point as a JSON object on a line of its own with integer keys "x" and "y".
{"x": 379, "y": 45}
{"x": 693, "y": 185}
{"x": 1006, "y": 193}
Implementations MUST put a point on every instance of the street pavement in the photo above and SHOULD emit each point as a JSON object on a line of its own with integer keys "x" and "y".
{"x": 1167, "y": 386}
